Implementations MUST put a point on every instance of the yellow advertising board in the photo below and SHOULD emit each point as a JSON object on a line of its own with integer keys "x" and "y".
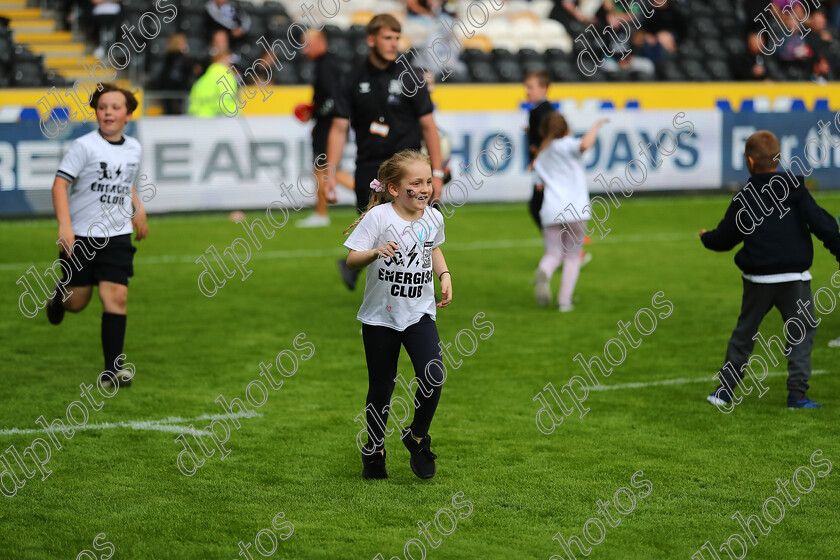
{"x": 735, "y": 97}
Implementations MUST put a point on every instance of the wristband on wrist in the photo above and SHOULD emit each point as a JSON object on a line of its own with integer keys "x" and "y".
{"x": 444, "y": 272}
{"x": 438, "y": 173}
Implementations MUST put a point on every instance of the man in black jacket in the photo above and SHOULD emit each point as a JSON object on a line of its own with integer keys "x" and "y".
{"x": 774, "y": 215}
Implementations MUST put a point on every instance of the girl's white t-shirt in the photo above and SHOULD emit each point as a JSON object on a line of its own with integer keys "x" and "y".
{"x": 398, "y": 290}
{"x": 560, "y": 169}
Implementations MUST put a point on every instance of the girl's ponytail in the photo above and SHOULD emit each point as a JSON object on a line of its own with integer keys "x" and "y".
{"x": 552, "y": 127}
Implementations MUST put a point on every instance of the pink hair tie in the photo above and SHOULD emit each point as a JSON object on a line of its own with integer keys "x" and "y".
{"x": 376, "y": 186}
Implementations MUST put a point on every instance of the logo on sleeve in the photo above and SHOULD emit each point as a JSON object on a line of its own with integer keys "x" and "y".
{"x": 364, "y": 87}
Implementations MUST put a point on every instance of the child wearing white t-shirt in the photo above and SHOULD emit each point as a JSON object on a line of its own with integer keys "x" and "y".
{"x": 398, "y": 239}
{"x": 95, "y": 221}
{"x": 558, "y": 166}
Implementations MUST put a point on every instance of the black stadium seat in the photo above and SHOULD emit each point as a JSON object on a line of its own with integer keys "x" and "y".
{"x": 562, "y": 70}
{"x": 695, "y": 72}
{"x": 483, "y": 72}
{"x": 510, "y": 71}
{"x": 28, "y": 74}
{"x": 193, "y": 24}
{"x": 719, "y": 70}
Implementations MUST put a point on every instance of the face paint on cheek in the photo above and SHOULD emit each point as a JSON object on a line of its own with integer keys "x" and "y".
{"x": 410, "y": 193}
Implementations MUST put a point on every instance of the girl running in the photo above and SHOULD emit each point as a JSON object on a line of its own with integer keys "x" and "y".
{"x": 558, "y": 166}
{"x": 399, "y": 302}
{"x": 95, "y": 222}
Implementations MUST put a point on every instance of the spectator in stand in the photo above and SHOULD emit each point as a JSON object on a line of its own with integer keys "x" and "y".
{"x": 834, "y": 11}
{"x": 229, "y": 16}
{"x": 106, "y": 17}
{"x": 822, "y": 71}
{"x": 568, "y": 12}
{"x": 220, "y": 42}
{"x": 665, "y": 28}
{"x": 794, "y": 53}
{"x": 633, "y": 66}
{"x": 431, "y": 8}
{"x": 180, "y": 70}
{"x": 754, "y": 65}
{"x": 442, "y": 13}
{"x": 206, "y": 94}
{"x": 820, "y": 39}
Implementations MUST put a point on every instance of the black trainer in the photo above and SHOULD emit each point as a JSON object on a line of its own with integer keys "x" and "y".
{"x": 108, "y": 379}
{"x": 55, "y": 309}
{"x": 422, "y": 459}
{"x": 349, "y": 276}
{"x": 373, "y": 466}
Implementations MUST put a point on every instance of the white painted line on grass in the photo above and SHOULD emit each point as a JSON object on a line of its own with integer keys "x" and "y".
{"x": 681, "y": 381}
{"x": 164, "y": 425}
{"x": 341, "y": 251}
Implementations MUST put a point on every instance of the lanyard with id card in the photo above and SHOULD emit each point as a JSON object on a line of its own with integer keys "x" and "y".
{"x": 380, "y": 128}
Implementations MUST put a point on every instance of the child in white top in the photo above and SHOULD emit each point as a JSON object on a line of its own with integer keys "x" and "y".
{"x": 95, "y": 221}
{"x": 558, "y": 166}
{"x": 399, "y": 304}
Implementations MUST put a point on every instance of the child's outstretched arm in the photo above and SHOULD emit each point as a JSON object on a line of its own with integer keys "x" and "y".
{"x": 62, "y": 213}
{"x": 821, "y": 223}
{"x": 727, "y": 234}
{"x": 591, "y": 135}
{"x": 359, "y": 259}
{"x": 439, "y": 266}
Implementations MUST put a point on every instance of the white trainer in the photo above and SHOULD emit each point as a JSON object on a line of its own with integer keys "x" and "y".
{"x": 313, "y": 221}
{"x": 542, "y": 288}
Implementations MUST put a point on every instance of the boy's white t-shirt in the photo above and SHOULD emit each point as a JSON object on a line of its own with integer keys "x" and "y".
{"x": 101, "y": 173}
{"x": 398, "y": 291}
{"x": 560, "y": 169}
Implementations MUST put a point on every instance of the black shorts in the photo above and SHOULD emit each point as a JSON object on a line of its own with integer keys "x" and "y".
{"x": 319, "y": 146}
{"x": 89, "y": 266}
{"x": 320, "y": 134}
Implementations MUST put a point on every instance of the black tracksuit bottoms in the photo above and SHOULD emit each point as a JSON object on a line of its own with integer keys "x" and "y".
{"x": 382, "y": 350}
{"x": 757, "y": 301}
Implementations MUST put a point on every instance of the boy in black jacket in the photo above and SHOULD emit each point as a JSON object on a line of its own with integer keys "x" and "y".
{"x": 536, "y": 90}
{"x": 774, "y": 215}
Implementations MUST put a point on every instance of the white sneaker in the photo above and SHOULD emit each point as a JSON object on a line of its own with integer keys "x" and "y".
{"x": 314, "y": 220}
{"x": 566, "y": 307}
{"x": 834, "y": 343}
{"x": 542, "y": 288}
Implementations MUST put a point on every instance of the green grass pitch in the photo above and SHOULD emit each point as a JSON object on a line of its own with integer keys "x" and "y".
{"x": 299, "y": 456}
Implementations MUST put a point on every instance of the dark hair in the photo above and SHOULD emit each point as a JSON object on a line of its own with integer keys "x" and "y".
{"x": 763, "y": 147}
{"x": 552, "y": 126}
{"x": 391, "y": 172}
{"x": 130, "y": 100}
{"x": 383, "y": 20}
{"x": 541, "y": 76}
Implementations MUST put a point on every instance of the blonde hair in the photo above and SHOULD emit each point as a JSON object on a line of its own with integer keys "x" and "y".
{"x": 391, "y": 172}
{"x": 552, "y": 126}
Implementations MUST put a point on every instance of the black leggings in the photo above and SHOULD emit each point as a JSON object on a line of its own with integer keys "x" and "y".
{"x": 382, "y": 350}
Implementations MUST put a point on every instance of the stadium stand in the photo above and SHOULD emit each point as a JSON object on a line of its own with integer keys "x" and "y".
{"x": 520, "y": 37}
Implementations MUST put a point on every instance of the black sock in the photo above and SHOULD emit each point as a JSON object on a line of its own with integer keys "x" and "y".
{"x": 113, "y": 335}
